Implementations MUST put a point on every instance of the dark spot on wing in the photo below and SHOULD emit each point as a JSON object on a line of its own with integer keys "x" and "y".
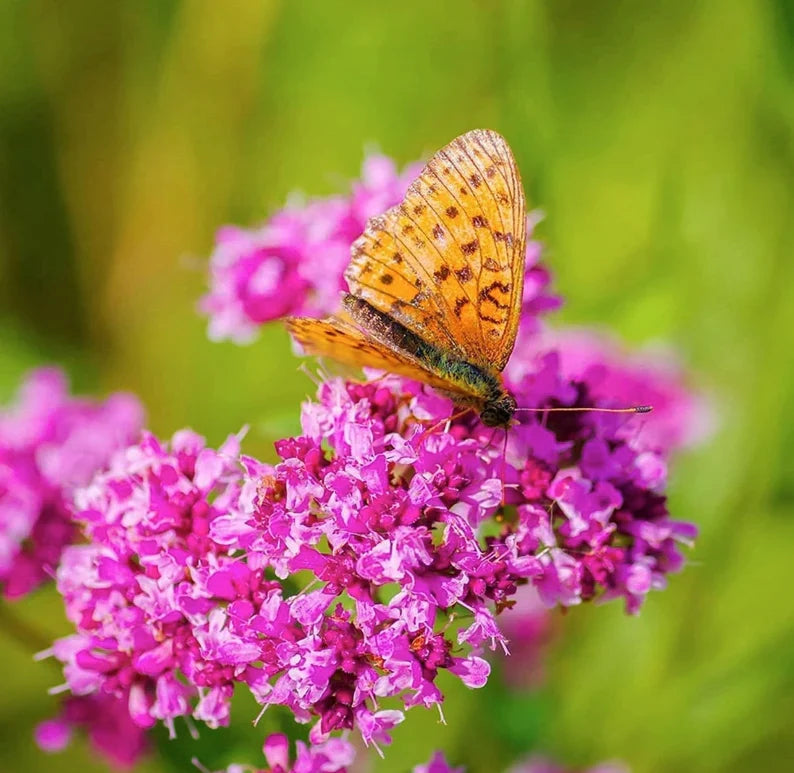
{"x": 441, "y": 274}
{"x": 418, "y": 209}
{"x": 459, "y": 304}
{"x": 463, "y": 274}
{"x": 478, "y": 221}
{"x": 491, "y": 265}
{"x": 397, "y": 257}
{"x": 490, "y": 172}
{"x": 470, "y": 247}
{"x": 475, "y": 180}
{"x": 451, "y": 212}
{"x": 438, "y": 231}
{"x": 487, "y": 294}
{"x": 387, "y": 279}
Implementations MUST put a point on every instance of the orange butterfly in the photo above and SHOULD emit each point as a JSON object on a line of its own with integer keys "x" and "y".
{"x": 436, "y": 282}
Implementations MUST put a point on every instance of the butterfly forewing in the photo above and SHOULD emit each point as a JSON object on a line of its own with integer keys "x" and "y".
{"x": 338, "y": 339}
{"x": 448, "y": 262}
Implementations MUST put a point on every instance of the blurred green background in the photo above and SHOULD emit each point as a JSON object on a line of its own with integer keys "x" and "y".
{"x": 658, "y": 140}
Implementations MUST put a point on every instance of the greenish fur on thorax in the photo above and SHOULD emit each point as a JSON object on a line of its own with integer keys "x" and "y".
{"x": 459, "y": 372}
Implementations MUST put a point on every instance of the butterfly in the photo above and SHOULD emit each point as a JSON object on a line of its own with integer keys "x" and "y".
{"x": 436, "y": 282}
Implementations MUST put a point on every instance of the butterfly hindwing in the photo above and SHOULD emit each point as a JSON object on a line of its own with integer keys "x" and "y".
{"x": 448, "y": 262}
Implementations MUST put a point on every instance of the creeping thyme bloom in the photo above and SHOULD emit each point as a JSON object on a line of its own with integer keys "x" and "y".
{"x": 528, "y": 627}
{"x": 417, "y": 538}
{"x": 145, "y": 593}
{"x": 331, "y": 756}
{"x": 50, "y": 443}
{"x": 294, "y": 263}
{"x": 538, "y": 764}
{"x": 111, "y": 731}
{"x": 438, "y": 764}
{"x": 680, "y": 418}
{"x": 535, "y": 764}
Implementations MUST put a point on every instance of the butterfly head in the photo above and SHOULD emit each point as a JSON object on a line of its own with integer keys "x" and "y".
{"x": 499, "y": 410}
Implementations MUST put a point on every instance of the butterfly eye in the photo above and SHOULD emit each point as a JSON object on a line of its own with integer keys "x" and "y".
{"x": 499, "y": 412}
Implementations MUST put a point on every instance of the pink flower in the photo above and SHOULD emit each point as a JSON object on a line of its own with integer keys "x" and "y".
{"x": 293, "y": 264}
{"x": 534, "y": 764}
{"x": 438, "y": 764}
{"x": 528, "y": 629}
{"x": 539, "y": 764}
{"x": 50, "y": 443}
{"x": 148, "y": 595}
{"x": 680, "y": 416}
{"x": 332, "y": 756}
{"x": 403, "y": 529}
{"x": 107, "y": 722}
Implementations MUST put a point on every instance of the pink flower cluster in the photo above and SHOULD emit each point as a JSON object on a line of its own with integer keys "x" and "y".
{"x": 332, "y": 756}
{"x": 335, "y": 755}
{"x": 111, "y": 731}
{"x": 681, "y": 417}
{"x": 388, "y": 514}
{"x": 535, "y": 764}
{"x": 51, "y": 443}
{"x": 294, "y": 263}
{"x": 147, "y": 591}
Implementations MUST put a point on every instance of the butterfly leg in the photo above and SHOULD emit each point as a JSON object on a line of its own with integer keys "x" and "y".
{"x": 441, "y": 423}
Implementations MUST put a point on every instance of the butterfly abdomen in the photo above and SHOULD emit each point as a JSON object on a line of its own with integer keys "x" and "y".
{"x": 474, "y": 381}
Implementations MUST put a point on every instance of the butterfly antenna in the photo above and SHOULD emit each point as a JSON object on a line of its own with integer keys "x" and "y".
{"x": 632, "y": 409}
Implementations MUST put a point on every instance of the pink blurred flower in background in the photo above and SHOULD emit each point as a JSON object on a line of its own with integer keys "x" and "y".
{"x": 105, "y": 719}
{"x": 681, "y": 417}
{"x": 51, "y": 443}
{"x": 535, "y": 764}
{"x": 293, "y": 264}
{"x": 332, "y": 756}
{"x": 539, "y": 764}
{"x": 529, "y": 629}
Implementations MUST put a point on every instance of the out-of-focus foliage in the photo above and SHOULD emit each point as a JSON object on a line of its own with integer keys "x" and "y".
{"x": 657, "y": 138}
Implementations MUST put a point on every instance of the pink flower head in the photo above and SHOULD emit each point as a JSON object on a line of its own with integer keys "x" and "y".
{"x": 539, "y": 764}
{"x": 369, "y": 500}
{"x": 149, "y": 594}
{"x": 680, "y": 416}
{"x": 528, "y": 629}
{"x": 534, "y": 764}
{"x": 106, "y": 720}
{"x": 438, "y": 764}
{"x": 51, "y": 443}
{"x": 294, "y": 263}
{"x": 332, "y": 756}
